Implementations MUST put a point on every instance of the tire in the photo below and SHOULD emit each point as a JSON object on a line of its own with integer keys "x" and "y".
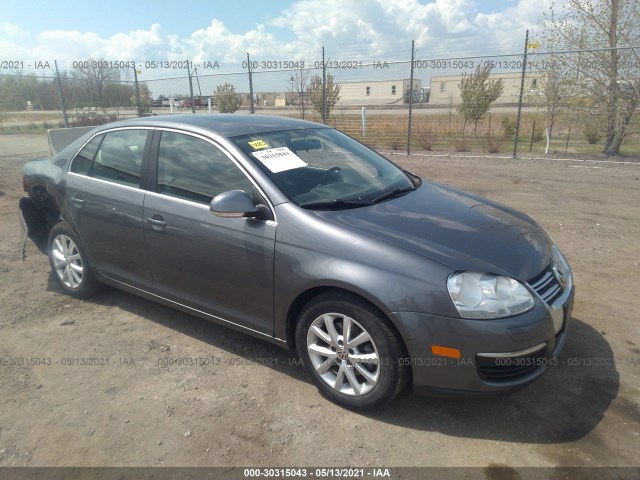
{"x": 69, "y": 264}
{"x": 362, "y": 373}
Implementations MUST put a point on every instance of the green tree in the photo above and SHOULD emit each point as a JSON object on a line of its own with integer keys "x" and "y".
{"x": 145, "y": 99}
{"x": 226, "y": 98}
{"x": 477, "y": 93}
{"x": 604, "y": 74}
{"x": 316, "y": 96}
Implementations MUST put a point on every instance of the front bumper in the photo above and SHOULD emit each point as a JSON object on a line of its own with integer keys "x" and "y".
{"x": 497, "y": 356}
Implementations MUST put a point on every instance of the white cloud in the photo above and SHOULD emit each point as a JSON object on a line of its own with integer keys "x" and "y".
{"x": 379, "y": 28}
{"x": 217, "y": 43}
{"x": 12, "y": 30}
{"x": 376, "y": 30}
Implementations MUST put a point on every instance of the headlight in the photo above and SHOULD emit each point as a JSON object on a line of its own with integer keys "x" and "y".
{"x": 483, "y": 296}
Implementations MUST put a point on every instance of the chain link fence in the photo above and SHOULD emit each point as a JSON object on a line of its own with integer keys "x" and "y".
{"x": 571, "y": 102}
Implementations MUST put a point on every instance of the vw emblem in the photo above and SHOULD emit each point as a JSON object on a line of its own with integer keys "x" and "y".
{"x": 559, "y": 274}
{"x": 342, "y": 354}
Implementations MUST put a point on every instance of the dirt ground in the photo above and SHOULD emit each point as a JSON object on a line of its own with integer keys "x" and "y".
{"x": 254, "y": 407}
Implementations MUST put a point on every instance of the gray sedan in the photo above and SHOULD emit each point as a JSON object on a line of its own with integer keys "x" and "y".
{"x": 295, "y": 233}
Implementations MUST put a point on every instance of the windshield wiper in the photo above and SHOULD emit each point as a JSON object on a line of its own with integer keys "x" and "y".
{"x": 334, "y": 204}
{"x": 393, "y": 193}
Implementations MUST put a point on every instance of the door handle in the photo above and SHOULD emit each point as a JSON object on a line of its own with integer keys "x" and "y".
{"x": 156, "y": 222}
{"x": 78, "y": 201}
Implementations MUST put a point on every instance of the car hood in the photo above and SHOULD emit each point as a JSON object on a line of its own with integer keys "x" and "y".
{"x": 455, "y": 228}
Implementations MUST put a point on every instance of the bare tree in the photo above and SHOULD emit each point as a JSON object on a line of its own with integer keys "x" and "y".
{"x": 299, "y": 82}
{"x": 605, "y": 74}
{"x": 94, "y": 75}
{"x": 552, "y": 94}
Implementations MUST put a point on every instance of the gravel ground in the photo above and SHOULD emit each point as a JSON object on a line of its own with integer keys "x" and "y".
{"x": 254, "y": 406}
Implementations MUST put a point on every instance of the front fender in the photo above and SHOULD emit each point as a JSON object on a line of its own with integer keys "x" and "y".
{"x": 312, "y": 252}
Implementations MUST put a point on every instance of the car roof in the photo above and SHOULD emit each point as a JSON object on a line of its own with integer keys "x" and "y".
{"x": 225, "y": 125}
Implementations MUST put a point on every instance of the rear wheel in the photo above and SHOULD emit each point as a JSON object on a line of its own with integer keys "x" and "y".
{"x": 350, "y": 351}
{"x": 69, "y": 263}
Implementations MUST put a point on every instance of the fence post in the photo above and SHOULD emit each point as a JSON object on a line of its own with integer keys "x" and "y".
{"x": 135, "y": 80}
{"x": 324, "y": 89}
{"x": 364, "y": 121}
{"x": 413, "y": 58}
{"x": 193, "y": 104}
{"x": 251, "y": 108}
{"x": 524, "y": 71}
{"x": 533, "y": 132}
{"x": 64, "y": 108}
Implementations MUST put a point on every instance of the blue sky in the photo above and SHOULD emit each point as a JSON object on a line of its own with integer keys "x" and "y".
{"x": 107, "y": 18}
{"x": 278, "y": 29}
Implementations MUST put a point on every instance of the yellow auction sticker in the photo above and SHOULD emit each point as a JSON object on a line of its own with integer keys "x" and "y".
{"x": 258, "y": 144}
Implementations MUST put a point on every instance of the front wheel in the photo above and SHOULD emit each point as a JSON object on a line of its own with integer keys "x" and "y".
{"x": 69, "y": 264}
{"x": 350, "y": 351}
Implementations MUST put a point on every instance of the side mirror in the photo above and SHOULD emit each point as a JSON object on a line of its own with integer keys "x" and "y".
{"x": 235, "y": 204}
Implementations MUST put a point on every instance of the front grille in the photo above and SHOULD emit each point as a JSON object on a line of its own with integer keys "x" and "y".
{"x": 547, "y": 286}
{"x": 509, "y": 368}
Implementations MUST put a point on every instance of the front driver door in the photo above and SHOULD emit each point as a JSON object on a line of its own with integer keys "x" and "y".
{"x": 222, "y": 266}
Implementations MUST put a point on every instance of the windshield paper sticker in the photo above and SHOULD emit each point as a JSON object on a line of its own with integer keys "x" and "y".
{"x": 279, "y": 159}
{"x": 258, "y": 144}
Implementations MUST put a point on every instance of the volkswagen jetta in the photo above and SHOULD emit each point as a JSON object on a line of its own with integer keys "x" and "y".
{"x": 296, "y": 233}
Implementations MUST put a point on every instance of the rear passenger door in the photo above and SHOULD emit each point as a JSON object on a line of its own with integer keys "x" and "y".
{"x": 104, "y": 203}
{"x": 221, "y": 266}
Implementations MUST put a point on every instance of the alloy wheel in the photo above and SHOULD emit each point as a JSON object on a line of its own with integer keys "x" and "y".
{"x": 343, "y": 354}
{"x": 67, "y": 261}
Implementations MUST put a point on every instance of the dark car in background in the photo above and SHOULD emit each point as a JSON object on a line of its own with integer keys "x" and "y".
{"x": 295, "y": 233}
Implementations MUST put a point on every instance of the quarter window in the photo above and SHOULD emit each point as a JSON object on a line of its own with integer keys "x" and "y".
{"x": 82, "y": 162}
{"x": 119, "y": 158}
{"x": 194, "y": 169}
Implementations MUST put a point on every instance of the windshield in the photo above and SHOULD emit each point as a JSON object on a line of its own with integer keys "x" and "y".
{"x": 322, "y": 168}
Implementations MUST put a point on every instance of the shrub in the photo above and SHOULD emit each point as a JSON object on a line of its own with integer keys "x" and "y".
{"x": 538, "y": 135}
{"x": 508, "y": 127}
{"x": 461, "y": 144}
{"x": 425, "y": 138}
{"x": 397, "y": 141}
{"x": 92, "y": 119}
{"x": 494, "y": 144}
{"x": 226, "y": 98}
{"x": 592, "y": 134}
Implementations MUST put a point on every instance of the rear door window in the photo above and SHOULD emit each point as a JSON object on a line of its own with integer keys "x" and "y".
{"x": 119, "y": 158}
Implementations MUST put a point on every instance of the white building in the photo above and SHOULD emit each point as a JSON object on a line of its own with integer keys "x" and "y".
{"x": 445, "y": 90}
{"x": 377, "y": 92}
